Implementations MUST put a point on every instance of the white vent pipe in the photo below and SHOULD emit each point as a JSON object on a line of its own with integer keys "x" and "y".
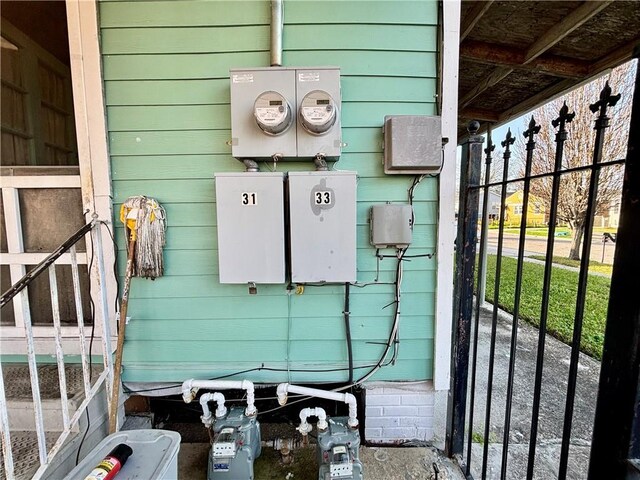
{"x": 221, "y": 410}
{"x": 285, "y": 388}
{"x": 190, "y": 389}
{"x": 277, "y": 26}
{"x": 305, "y": 413}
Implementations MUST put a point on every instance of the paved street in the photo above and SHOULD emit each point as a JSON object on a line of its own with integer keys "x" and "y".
{"x": 538, "y": 246}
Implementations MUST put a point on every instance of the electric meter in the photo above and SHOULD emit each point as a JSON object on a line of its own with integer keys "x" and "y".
{"x": 272, "y": 112}
{"x": 318, "y": 112}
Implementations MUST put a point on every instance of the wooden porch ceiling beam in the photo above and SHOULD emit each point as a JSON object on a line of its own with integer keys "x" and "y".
{"x": 499, "y": 55}
{"x": 616, "y": 57}
{"x": 492, "y": 79}
{"x": 550, "y": 38}
{"x": 480, "y": 114}
{"x": 473, "y": 16}
{"x": 555, "y": 34}
{"x": 536, "y": 100}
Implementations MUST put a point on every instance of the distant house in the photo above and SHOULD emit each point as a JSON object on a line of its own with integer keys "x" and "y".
{"x": 610, "y": 216}
{"x": 513, "y": 210}
{"x": 493, "y": 206}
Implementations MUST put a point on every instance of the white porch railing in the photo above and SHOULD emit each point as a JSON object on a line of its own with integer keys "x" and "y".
{"x": 18, "y": 293}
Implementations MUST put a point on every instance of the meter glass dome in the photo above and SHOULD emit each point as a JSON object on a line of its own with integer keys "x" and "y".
{"x": 318, "y": 112}
{"x": 272, "y": 113}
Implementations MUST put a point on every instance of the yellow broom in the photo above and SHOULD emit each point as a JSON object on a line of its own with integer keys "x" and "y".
{"x": 144, "y": 222}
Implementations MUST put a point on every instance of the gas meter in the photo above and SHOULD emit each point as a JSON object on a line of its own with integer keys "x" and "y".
{"x": 337, "y": 451}
{"x": 272, "y": 112}
{"x": 236, "y": 444}
{"x": 318, "y": 112}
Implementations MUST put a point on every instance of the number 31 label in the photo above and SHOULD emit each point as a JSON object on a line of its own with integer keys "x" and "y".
{"x": 323, "y": 198}
{"x": 249, "y": 198}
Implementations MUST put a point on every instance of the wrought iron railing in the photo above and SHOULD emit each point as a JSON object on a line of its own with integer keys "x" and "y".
{"x": 19, "y": 293}
{"x": 464, "y": 394}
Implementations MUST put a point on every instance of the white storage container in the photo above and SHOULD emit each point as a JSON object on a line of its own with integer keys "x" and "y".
{"x": 154, "y": 457}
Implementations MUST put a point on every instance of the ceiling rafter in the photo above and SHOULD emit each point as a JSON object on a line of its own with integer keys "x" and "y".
{"x": 473, "y": 17}
{"x": 616, "y": 57}
{"x": 560, "y": 30}
{"x": 547, "y": 40}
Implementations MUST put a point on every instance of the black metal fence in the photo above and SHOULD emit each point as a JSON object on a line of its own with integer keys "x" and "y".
{"x": 616, "y": 438}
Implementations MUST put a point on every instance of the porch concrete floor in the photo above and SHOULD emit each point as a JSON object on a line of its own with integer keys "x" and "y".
{"x": 380, "y": 463}
{"x": 552, "y": 403}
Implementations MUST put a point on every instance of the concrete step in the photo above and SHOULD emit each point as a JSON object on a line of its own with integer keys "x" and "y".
{"x": 25, "y": 453}
{"x": 92, "y": 428}
{"x": 17, "y": 382}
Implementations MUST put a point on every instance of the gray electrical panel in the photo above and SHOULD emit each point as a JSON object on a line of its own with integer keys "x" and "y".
{"x": 322, "y": 218}
{"x": 318, "y": 103}
{"x": 412, "y": 144}
{"x": 259, "y": 97}
{"x": 250, "y": 210}
{"x": 286, "y": 112}
{"x": 391, "y": 225}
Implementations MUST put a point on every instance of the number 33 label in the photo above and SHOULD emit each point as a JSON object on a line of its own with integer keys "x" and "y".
{"x": 249, "y": 198}
{"x": 323, "y": 198}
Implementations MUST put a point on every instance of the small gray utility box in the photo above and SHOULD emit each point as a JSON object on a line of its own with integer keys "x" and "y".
{"x": 250, "y": 210}
{"x": 412, "y": 144}
{"x": 322, "y": 217}
{"x": 391, "y": 225}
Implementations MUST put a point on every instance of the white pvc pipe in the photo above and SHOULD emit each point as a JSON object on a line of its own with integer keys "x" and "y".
{"x": 190, "y": 388}
{"x": 305, "y": 413}
{"x": 221, "y": 410}
{"x": 284, "y": 388}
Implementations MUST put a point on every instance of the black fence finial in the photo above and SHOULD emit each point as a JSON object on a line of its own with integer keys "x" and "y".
{"x": 564, "y": 117}
{"x": 606, "y": 100}
{"x": 528, "y": 134}
{"x": 508, "y": 141}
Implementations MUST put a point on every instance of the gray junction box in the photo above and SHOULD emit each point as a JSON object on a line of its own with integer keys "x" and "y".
{"x": 391, "y": 225}
{"x": 250, "y": 211}
{"x": 412, "y": 144}
{"x": 322, "y": 215}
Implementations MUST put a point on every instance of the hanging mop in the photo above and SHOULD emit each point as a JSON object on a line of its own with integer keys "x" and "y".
{"x": 144, "y": 222}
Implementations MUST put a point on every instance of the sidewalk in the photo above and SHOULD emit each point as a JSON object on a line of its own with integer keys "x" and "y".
{"x": 552, "y": 405}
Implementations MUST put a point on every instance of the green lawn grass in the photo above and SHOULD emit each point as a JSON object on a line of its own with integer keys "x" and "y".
{"x": 593, "y": 266}
{"x": 562, "y": 300}
{"x": 562, "y": 232}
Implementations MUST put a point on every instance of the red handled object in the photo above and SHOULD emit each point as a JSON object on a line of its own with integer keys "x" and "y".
{"x": 111, "y": 464}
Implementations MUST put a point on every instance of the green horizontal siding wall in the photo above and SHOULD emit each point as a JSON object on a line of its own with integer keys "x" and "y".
{"x": 166, "y": 70}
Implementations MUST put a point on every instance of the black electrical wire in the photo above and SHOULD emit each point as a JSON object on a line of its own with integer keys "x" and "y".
{"x": 93, "y": 319}
{"x": 256, "y": 369}
{"x": 93, "y": 330}
{"x": 347, "y": 328}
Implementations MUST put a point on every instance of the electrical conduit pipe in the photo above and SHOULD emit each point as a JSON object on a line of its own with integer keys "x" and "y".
{"x": 221, "y": 410}
{"x": 190, "y": 388}
{"x": 285, "y": 388}
{"x": 305, "y": 413}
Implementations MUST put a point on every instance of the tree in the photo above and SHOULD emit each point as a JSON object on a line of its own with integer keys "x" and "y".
{"x": 578, "y": 151}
